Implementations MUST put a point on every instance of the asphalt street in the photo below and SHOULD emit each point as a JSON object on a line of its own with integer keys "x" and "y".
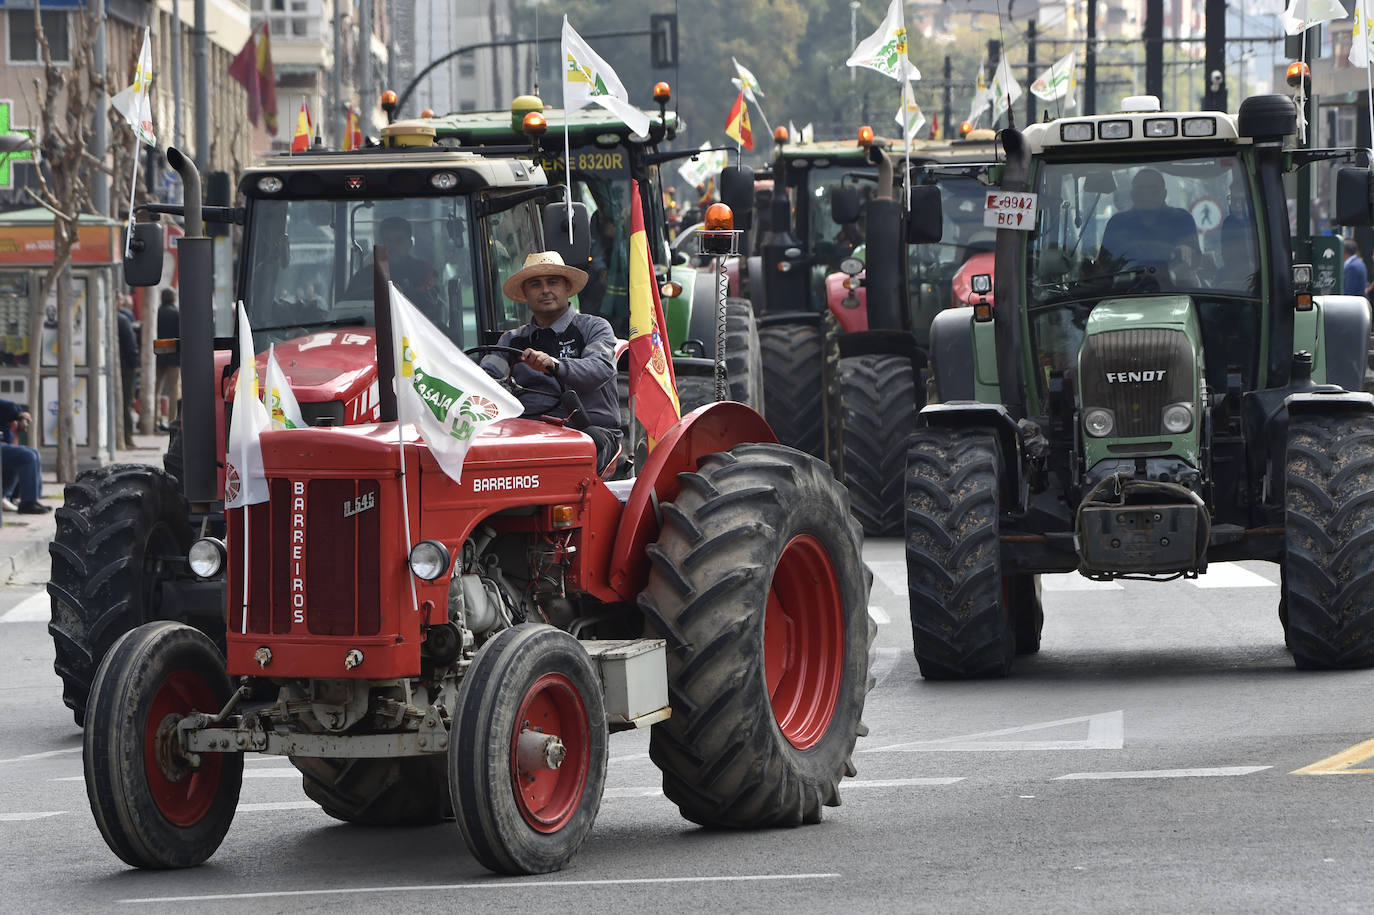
{"x": 1148, "y": 759}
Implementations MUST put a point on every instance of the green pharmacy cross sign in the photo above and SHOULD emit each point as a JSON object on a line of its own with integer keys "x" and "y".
{"x": 7, "y": 159}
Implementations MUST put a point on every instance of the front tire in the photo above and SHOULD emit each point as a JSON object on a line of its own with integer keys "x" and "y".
{"x": 155, "y": 807}
{"x": 792, "y": 388}
{"x": 961, "y": 626}
{"x": 121, "y": 532}
{"x": 877, "y": 415}
{"x": 518, "y": 814}
{"x": 759, "y": 588}
{"x": 1329, "y": 532}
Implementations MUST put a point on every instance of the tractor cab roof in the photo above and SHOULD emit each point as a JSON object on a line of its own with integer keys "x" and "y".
{"x": 592, "y": 126}
{"x": 1133, "y": 128}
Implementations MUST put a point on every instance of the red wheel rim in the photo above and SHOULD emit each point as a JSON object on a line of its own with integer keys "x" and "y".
{"x": 183, "y": 795}
{"x": 803, "y": 641}
{"x": 548, "y": 798}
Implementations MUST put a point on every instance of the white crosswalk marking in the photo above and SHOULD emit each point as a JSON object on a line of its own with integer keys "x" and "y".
{"x": 891, "y": 573}
{"x": 1072, "y": 581}
{"x": 1231, "y": 575}
{"x": 36, "y": 608}
{"x": 1214, "y": 772}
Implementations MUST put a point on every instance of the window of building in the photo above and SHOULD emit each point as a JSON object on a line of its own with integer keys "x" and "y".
{"x": 467, "y": 106}
{"x": 23, "y": 44}
{"x": 467, "y": 67}
{"x": 290, "y": 19}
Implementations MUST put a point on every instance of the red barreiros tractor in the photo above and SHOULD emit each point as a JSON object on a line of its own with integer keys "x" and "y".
{"x": 720, "y": 596}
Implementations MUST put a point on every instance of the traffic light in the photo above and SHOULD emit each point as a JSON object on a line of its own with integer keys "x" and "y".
{"x": 663, "y": 41}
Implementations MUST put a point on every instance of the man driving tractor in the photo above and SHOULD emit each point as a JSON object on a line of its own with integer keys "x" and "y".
{"x": 561, "y": 349}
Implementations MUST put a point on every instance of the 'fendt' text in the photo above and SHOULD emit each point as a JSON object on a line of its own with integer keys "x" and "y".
{"x": 1125, "y": 377}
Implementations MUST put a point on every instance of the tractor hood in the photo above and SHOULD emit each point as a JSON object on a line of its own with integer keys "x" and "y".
{"x": 332, "y": 373}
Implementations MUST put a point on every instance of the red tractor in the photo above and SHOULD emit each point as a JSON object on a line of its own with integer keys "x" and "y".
{"x": 719, "y": 596}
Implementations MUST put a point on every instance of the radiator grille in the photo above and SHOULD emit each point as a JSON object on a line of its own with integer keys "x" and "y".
{"x": 309, "y": 560}
{"x": 1137, "y": 406}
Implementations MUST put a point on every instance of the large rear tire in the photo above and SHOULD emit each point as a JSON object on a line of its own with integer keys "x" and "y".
{"x": 526, "y": 805}
{"x": 961, "y": 626}
{"x": 760, "y": 590}
{"x": 743, "y": 361}
{"x": 121, "y": 532}
{"x": 791, "y": 355}
{"x": 695, "y": 391}
{"x": 1329, "y": 532}
{"x": 410, "y": 791}
{"x": 155, "y": 806}
{"x": 877, "y": 415}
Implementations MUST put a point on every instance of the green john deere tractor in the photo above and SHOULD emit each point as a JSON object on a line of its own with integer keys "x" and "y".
{"x": 1155, "y": 389}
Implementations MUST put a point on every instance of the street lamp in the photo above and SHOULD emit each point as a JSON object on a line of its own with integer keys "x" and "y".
{"x": 853, "y": 32}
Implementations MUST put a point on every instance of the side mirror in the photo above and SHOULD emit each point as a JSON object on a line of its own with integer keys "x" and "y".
{"x": 577, "y": 250}
{"x": 1355, "y": 197}
{"x": 925, "y": 222}
{"x": 844, "y": 204}
{"x": 143, "y": 263}
{"x": 737, "y": 192}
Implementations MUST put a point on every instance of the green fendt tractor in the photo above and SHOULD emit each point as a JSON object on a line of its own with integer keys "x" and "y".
{"x": 1155, "y": 388}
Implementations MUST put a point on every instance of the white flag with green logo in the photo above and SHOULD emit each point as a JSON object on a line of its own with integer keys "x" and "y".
{"x": 747, "y": 82}
{"x": 982, "y": 98}
{"x": 885, "y": 50}
{"x": 1301, "y": 15}
{"x": 1005, "y": 90}
{"x": 588, "y": 80}
{"x": 707, "y": 164}
{"x": 135, "y": 103}
{"x": 1361, "y": 40}
{"x": 448, "y": 398}
{"x": 909, "y": 116}
{"x": 245, "y": 480}
{"x": 278, "y": 396}
{"x": 1058, "y": 81}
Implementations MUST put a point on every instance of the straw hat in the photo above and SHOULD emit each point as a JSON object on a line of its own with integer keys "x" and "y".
{"x": 543, "y": 263}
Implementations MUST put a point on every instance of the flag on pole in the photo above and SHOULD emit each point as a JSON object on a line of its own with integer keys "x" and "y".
{"x": 245, "y": 480}
{"x": 1005, "y": 90}
{"x": 808, "y": 133}
{"x": 1361, "y": 43}
{"x": 885, "y": 50}
{"x": 442, "y": 392}
{"x": 1301, "y": 15}
{"x": 982, "y": 97}
{"x": 301, "y": 141}
{"x": 746, "y": 82}
{"x": 909, "y": 116}
{"x": 244, "y": 70}
{"x": 587, "y": 79}
{"x": 135, "y": 103}
{"x": 706, "y": 163}
{"x": 353, "y": 134}
{"x": 267, "y": 82}
{"x": 1058, "y": 81}
{"x": 653, "y": 386}
{"x": 277, "y": 394}
{"x": 737, "y": 124}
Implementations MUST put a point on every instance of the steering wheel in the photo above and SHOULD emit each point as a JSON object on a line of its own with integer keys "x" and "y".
{"x": 509, "y": 381}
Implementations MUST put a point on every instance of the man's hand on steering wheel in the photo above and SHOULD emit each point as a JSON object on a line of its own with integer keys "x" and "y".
{"x": 540, "y": 361}
{"x": 509, "y": 381}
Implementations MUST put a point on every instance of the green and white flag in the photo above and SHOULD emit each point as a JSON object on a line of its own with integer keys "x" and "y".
{"x": 1058, "y": 81}
{"x": 1004, "y": 90}
{"x": 885, "y": 50}
{"x": 909, "y": 116}
{"x": 1301, "y": 15}
{"x": 447, "y": 397}
{"x": 746, "y": 82}
{"x": 588, "y": 80}
{"x": 278, "y": 396}
{"x": 982, "y": 98}
{"x": 245, "y": 480}
{"x": 135, "y": 103}
{"x": 1361, "y": 43}
{"x": 707, "y": 163}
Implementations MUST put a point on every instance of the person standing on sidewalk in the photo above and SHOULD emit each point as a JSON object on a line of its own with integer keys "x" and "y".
{"x": 129, "y": 351}
{"x": 23, "y": 469}
{"x": 168, "y": 364}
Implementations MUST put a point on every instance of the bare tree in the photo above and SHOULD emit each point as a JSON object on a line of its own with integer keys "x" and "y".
{"x": 65, "y": 131}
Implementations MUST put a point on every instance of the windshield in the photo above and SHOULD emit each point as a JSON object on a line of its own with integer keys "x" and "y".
{"x": 1139, "y": 227}
{"x": 827, "y": 241}
{"x": 310, "y": 263}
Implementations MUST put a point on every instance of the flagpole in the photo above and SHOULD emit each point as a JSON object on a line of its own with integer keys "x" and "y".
{"x": 1302, "y": 93}
{"x": 1368, "y": 64}
{"x": 567, "y": 165}
{"x": 133, "y": 190}
{"x": 246, "y": 554}
{"x": 401, "y": 447}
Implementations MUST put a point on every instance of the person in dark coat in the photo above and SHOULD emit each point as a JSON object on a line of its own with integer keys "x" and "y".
{"x": 168, "y": 384}
{"x": 23, "y": 469}
{"x": 129, "y": 351}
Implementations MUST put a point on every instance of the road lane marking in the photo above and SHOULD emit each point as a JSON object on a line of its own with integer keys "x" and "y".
{"x": 20, "y": 817}
{"x": 1230, "y": 575}
{"x": 36, "y": 608}
{"x": 928, "y": 782}
{"x": 892, "y": 574}
{"x": 1342, "y": 763}
{"x": 1106, "y": 731}
{"x": 628, "y": 757}
{"x": 1215, "y": 772}
{"x": 1072, "y": 581}
{"x": 879, "y": 615}
{"x": 494, "y": 883}
{"x": 268, "y": 806}
{"x": 45, "y": 755}
{"x": 884, "y": 661}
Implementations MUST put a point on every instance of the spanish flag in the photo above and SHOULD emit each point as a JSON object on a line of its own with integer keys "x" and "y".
{"x": 653, "y": 386}
{"x": 737, "y": 125}
{"x": 353, "y": 134}
{"x": 301, "y": 141}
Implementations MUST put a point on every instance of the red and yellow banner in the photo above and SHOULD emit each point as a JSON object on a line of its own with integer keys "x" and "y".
{"x": 653, "y": 386}
{"x": 301, "y": 141}
{"x": 737, "y": 125}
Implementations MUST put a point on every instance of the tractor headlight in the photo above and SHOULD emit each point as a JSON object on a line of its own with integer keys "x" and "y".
{"x": 1098, "y": 422}
{"x": 206, "y": 557}
{"x": 1178, "y": 417}
{"x": 429, "y": 559}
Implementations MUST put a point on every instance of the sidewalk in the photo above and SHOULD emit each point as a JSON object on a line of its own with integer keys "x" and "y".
{"x": 24, "y": 539}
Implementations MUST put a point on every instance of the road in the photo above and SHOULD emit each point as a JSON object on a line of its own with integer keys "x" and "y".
{"x": 1147, "y": 759}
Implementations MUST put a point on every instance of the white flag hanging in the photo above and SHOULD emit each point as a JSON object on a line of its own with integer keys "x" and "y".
{"x": 909, "y": 115}
{"x": 277, "y": 394}
{"x": 1004, "y": 90}
{"x": 982, "y": 97}
{"x": 442, "y": 392}
{"x": 587, "y": 80}
{"x": 245, "y": 480}
{"x": 1301, "y": 15}
{"x": 1057, "y": 82}
{"x": 135, "y": 103}
{"x": 885, "y": 50}
{"x": 1361, "y": 43}
{"x": 708, "y": 163}
{"x": 746, "y": 82}
{"x": 808, "y": 133}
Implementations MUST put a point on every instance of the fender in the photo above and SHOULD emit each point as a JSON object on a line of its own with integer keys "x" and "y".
{"x": 712, "y": 428}
{"x": 1306, "y": 404}
{"x": 1344, "y": 343}
{"x": 963, "y": 414}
